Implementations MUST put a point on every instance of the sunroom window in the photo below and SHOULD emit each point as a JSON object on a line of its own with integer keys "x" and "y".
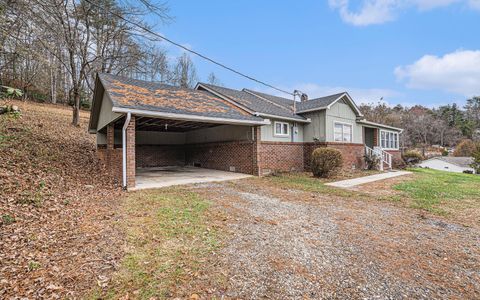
{"x": 389, "y": 139}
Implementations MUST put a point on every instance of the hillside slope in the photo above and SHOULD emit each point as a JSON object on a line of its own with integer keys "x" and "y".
{"x": 57, "y": 206}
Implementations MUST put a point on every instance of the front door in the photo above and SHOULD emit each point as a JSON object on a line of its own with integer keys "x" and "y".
{"x": 369, "y": 137}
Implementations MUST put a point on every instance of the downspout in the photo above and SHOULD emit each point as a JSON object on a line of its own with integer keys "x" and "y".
{"x": 124, "y": 150}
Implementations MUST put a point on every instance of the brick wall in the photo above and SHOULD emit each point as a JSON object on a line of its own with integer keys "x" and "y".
{"x": 352, "y": 154}
{"x": 222, "y": 156}
{"x": 280, "y": 156}
{"x": 397, "y": 160}
{"x": 112, "y": 160}
{"x": 130, "y": 133}
{"x": 159, "y": 155}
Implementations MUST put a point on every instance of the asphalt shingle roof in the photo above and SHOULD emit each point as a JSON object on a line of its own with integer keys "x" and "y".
{"x": 138, "y": 94}
{"x": 287, "y": 103}
{"x": 318, "y": 102}
{"x": 255, "y": 103}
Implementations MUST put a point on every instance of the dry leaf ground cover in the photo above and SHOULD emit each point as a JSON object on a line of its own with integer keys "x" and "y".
{"x": 57, "y": 207}
{"x": 290, "y": 237}
{"x": 279, "y": 237}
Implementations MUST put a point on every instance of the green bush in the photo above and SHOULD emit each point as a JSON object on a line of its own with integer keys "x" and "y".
{"x": 476, "y": 159}
{"x": 412, "y": 157}
{"x": 326, "y": 162}
{"x": 444, "y": 152}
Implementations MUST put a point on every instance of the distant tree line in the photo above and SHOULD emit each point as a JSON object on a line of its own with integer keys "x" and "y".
{"x": 444, "y": 126}
{"x": 52, "y": 49}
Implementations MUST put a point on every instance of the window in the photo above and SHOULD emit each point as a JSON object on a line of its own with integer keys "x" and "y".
{"x": 281, "y": 129}
{"x": 342, "y": 132}
{"x": 389, "y": 139}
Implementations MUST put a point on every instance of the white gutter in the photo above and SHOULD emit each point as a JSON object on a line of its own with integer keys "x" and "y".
{"x": 379, "y": 125}
{"x": 283, "y": 118}
{"x": 184, "y": 117}
{"x": 311, "y": 109}
{"x": 124, "y": 150}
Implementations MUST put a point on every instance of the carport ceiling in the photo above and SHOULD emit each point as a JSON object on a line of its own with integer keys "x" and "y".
{"x": 165, "y": 125}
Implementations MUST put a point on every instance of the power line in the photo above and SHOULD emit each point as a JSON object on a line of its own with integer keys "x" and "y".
{"x": 187, "y": 49}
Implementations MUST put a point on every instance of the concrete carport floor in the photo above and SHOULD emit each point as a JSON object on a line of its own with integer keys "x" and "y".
{"x": 159, "y": 177}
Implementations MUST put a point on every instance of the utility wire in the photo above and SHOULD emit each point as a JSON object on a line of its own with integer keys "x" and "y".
{"x": 187, "y": 49}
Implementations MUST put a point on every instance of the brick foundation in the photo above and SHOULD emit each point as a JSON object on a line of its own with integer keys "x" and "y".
{"x": 112, "y": 160}
{"x": 352, "y": 154}
{"x": 159, "y": 155}
{"x": 225, "y": 156}
{"x": 280, "y": 156}
{"x": 250, "y": 157}
{"x": 397, "y": 160}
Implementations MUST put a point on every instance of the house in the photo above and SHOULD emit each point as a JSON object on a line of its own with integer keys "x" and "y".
{"x": 142, "y": 124}
{"x": 449, "y": 163}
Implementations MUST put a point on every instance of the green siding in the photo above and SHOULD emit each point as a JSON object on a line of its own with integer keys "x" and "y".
{"x": 106, "y": 115}
{"x": 316, "y": 128}
{"x": 267, "y": 133}
{"x": 341, "y": 112}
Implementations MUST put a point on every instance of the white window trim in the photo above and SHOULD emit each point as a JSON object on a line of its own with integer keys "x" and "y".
{"x": 343, "y": 123}
{"x": 281, "y": 134}
{"x": 388, "y": 132}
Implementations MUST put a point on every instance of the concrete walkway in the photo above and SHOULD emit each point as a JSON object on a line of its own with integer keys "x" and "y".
{"x": 349, "y": 183}
{"x": 152, "y": 178}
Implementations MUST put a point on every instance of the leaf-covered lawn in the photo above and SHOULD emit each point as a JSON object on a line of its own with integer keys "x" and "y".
{"x": 170, "y": 235}
{"x": 440, "y": 191}
{"x": 308, "y": 183}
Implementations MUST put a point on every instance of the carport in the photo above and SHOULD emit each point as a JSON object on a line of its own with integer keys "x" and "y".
{"x": 149, "y": 130}
{"x": 180, "y": 151}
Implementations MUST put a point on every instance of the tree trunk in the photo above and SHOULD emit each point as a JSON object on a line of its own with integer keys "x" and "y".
{"x": 76, "y": 107}
{"x": 53, "y": 85}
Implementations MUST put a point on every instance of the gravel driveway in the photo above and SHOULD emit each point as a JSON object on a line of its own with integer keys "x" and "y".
{"x": 290, "y": 244}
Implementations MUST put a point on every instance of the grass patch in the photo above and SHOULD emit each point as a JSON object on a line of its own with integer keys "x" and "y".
{"x": 306, "y": 182}
{"x": 169, "y": 238}
{"x": 432, "y": 189}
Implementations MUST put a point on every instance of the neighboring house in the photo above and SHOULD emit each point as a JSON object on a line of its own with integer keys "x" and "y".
{"x": 143, "y": 124}
{"x": 448, "y": 163}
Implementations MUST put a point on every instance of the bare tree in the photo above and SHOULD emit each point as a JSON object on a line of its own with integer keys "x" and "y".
{"x": 184, "y": 74}
{"x": 213, "y": 79}
{"x": 58, "y": 46}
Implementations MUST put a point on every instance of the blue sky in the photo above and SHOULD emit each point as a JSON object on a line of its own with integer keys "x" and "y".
{"x": 407, "y": 51}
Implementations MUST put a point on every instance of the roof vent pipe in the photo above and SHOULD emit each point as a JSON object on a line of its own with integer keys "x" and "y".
{"x": 124, "y": 149}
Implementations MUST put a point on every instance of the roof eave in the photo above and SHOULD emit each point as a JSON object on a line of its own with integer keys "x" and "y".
{"x": 185, "y": 117}
{"x": 311, "y": 110}
{"x": 282, "y": 118}
{"x": 380, "y": 125}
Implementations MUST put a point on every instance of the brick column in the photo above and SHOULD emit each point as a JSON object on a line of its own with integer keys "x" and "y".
{"x": 131, "y": 153}
{"x": 256, "y": 151}
{"x": 110, "y": 144}
{"x": 375, "y": 137}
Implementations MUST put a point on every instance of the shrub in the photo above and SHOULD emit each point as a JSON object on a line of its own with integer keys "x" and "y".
{"x": 372, "y": 161}
{"x": 412, "y": 157}
{"x": 398, "y": 163}
{"x": 444, "y": 152}
{"x": 465, "y": 148}
{"x": 476, "y": 159}
{"x": 326, "y": 162}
